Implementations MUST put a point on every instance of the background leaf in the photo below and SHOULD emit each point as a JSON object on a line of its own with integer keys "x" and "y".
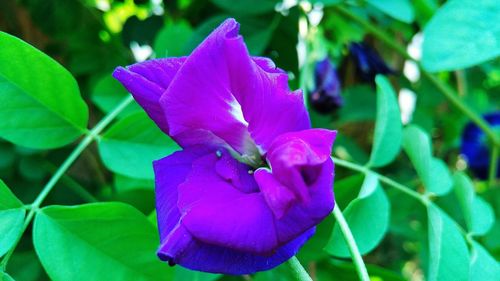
{"x": 41, "y": 103}
{"x": 130, "y": 146}
{"x": 401, "y": 10}
{"x": 388, "y": 128}
{"x": 483, "y": 266}
{"x": 108, "y": 92}
{"x": 101, "y": 241}
{"x": 478, "y": 214}
{"x": 371, "y": 205}
{"x": 461, "y": 34}
{"x": 432, "y": 172}
{"x": 11, "y": 218}
{"x": 448, "y": 254}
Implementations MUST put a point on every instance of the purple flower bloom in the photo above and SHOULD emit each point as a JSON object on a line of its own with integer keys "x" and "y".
{"x": 368, "y": 62}
{"x": 326, "y": 97}
{"x": 475, "y": 149}
{"x": 253, "y": 179}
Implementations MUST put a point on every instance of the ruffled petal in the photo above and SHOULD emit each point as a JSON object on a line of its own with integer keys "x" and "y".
{"x": 215, "y": 211}
{"x": 147, "y": 81}
{"x": 170, "y": 172}
{"x": 242, "y": 100}
{"x": 200, "y": 96}
{"x": 267, "y": 103}
{"x": 185, "y": 250}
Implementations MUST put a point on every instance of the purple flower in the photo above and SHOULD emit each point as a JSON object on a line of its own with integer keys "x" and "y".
{"x": 253, "y": 179}
{"x": 368, "y": 62}
{"x": 475, "y": 149}
{"x": 326, "y": 97}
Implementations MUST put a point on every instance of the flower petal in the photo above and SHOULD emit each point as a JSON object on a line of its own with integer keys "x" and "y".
{"x": 147, "y": 81}
{"x": 215, "y": 211}
{"x": 169, "y": 173}
{"x": 221, "y": 89}
{"x": 301, "y": 163}
{"x": 191, "y": 253}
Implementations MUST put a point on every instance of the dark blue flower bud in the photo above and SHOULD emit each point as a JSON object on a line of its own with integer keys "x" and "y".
{"x": 326, "y": 96}
{"x": 475, "y": 147}
{"x": 368, "y": 62}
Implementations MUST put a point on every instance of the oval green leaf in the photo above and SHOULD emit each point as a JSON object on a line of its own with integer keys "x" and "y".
{"x": 131, "y": 145}
{"x": 448, "y": 253}
{"x": 433, "y": 172}
{"x": 401, "y": 9}
{"x": 371, "y": 205}
{"x": 99, "y": 241}
{"x": 11, "y": 218}
{"x": 482, "y": 265}
{"x": 479, "y": 216}
{"x": 41, "y": 103}
{"x": 388, "y": 128}
{"x": 462, "y": 34}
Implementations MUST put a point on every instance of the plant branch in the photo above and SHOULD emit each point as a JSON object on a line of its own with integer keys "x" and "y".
{"x": 493, "y": 166}
{"x": 91, "y": 135}
{"x": 440, "y": 85}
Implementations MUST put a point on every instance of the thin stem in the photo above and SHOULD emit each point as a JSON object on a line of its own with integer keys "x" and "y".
{"x": 91, "y": 135}
{"x": 493, "y": 165}
{"x": 351, "y": 243}
{"x": 440, "y": 85}
{"x": 298, "y": 270}
{"x": 382, "y": 178}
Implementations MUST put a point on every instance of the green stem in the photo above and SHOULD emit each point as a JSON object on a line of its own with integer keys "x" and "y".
{"x": 351, "y": 243}
{"x": 72, "y": 184}
{"x": 440, "y": 85}
{"x": 91, "y": 135}
{"x": 493, "y": 165}
{"x": 384, "y": 179}
{"x": 298, "y": 270}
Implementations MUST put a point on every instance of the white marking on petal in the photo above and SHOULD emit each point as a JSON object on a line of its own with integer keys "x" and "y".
{"x": 237, "y": 112}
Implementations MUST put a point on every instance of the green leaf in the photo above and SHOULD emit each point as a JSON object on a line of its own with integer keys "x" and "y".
{"x": 371, "y": 205}
{"x": 432, "y": 171}
{"x": 108, "y": 93}
{"x": 482, "y": 265}
{"x": 448, "y": 254}
{"x": 11, "y": 218}
{"x": 479, "y": 216}
{"x": 41, "y": 103}
{"x": 5, "y": 277}
{"x": 246, "y": 7}
{"x": 401, "y": 9}
{"x": 183, "y": 274}
{"x": 130, "y": 146}
{"x": 388, "y": 128}
{"x": 100, "y": 241}
{"x": 461, "y": 34}
{"x": 172, "y": 39}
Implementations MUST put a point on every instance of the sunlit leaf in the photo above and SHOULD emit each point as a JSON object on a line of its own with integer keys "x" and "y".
{"x": 388, "y": 128}
{"x": 40, "y": 102}
{"x": 131, "y": 145}
{"x": 11, "y": 218}
{"x": 100, "y": 241}
{"x": 448, "y": 254}
{"x": 461, "y": 34}
{"x": 401, "y": 9}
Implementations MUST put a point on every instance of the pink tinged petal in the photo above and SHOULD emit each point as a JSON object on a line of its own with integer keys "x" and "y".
{"x": 301, "y": 163}
{"x": 278, "y": 197}
{"x": 268, "y": 105}
{"x": 215, "y": 211}
{"x": 147, "y": 81}
{"x": 200, "y": 96}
